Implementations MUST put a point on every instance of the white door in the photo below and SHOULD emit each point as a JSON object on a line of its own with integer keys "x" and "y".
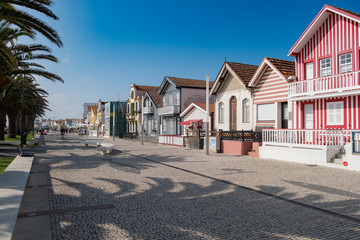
{"x": 309, "y": 121}
{"x": 309, "y": 75}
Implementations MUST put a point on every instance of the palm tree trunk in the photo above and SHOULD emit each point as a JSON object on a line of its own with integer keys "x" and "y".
{"x": 18, "y": 126}
{"x": 2, "y": 122}
{"x": 12, "y": 124}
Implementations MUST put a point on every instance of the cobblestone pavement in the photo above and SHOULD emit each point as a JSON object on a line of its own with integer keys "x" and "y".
{"x": 164, "y": 192}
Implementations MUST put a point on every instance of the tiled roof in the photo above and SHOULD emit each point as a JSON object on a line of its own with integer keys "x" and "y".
{"x": 287, "y": 68}
{"x": 244, "y": 71}
{"x": 192, "y": 83}
{"x": 146, "y": 88}
{"x": 156, "y": 98}
{"x": 203, "y": 106}
{"x": 345, "y": 10}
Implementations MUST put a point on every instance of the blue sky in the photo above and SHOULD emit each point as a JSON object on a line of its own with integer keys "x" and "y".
{"x": 112, "y": 43}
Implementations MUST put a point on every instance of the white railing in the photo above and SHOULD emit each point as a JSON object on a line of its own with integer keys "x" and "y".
{"x": 330, "y": 84}
{"x": 172, "y": 140}
{"x": 169, "y": 110}
{"x": 306, "y": 137}
{"x": 148, "y": 110}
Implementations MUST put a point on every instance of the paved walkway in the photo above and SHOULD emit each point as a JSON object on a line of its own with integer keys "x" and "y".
{"x": 164, "y": 192}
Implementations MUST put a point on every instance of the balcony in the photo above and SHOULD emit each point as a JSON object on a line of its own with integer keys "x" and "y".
{"x": 345, "y": 84}
{"x": 169, "y": 110}
{"x": 148, "y": 110}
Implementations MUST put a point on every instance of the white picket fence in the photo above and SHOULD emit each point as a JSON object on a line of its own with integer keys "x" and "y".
{"x": 172, "y": 140}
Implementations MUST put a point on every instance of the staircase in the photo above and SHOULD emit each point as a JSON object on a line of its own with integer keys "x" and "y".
{"x": 338, "y": 159}
{"x": 254, "y": 151}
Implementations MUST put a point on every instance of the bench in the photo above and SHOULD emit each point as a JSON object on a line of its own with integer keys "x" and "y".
{"x": 105, "y": 148}
{"x": 36, "y": 139}
{"x": 87, "y": 143}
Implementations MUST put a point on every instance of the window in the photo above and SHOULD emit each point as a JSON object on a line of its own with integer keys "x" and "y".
{"x": 164, "y": 124}
{"x": 246, "y": 110}
{"x": 136, "y": 107}
{"x": 345, "y": 63}
{"x": 266, "y": 112}
{"x": 221, "y": 112}
{"x": 128, "y": 107}
{"x": 132, "y": 94}
{"x": 309, "y": 70}
{"x": 335, "y": 113}
{"x": 325, "y": 67}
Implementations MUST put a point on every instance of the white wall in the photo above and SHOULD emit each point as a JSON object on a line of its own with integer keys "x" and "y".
{"x": 225, "y": 97}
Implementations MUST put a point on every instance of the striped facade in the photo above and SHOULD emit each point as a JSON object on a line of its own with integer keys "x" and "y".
{"x": 332, "y": 33}
{"x": 270, "y": 93}
{"x": 270, "y": 88}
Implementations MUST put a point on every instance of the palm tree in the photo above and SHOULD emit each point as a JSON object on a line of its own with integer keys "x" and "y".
{"x": 26, "y": 57}
{"x": 27, "y": 22}
{"x": 35, "y": 103}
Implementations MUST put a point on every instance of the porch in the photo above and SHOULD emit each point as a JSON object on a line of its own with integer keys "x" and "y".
{"x": 308, "y": 146}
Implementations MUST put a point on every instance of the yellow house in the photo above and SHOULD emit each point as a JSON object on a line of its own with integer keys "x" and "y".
{"x": 133, "y": 110}
{"x": 93, "y": 116}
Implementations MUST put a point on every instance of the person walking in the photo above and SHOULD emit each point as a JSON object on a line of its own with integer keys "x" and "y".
{"x": 62, "y": 132}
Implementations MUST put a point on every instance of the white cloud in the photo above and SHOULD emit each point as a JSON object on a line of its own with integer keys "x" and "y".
{"x": 66, "y": 59}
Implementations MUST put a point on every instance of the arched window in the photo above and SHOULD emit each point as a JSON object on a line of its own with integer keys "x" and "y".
{"x": 246, "y": 110}
{"x": 221, "y": 112}
{"x": 132, "y": 94}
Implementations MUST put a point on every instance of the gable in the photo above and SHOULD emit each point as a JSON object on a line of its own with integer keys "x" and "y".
{"x": 322, "y": 21}
{"x": 230, "y": 84}
{"x": 270, "y": 87}
{"x": 335, "y": 35}
{"x": 169, "y": 88}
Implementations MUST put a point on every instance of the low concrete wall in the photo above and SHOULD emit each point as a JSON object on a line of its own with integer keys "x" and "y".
{"x": 12, "y": 186}
{"x": 235, "y": 147}
{"x": 300, "y": 155}
{"x": 176, "y": 140}
{"x": 353, "y": 159}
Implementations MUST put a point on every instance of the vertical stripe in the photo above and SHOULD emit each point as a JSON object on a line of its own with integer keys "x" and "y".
{"x": 315, "y": 116}
{"x": 351, "y": 25}
{"x": 357, "y": 111}
{"x": 323, "y": 113}
{"x": 347, "y": 112}
{"x": 353, "y": 99}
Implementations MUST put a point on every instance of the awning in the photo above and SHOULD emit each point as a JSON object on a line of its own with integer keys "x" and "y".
{"x": 189, "y": 121}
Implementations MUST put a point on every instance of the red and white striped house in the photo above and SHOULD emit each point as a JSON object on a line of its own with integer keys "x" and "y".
{"x": 325, "y": 97}
{"x": 326, "y": 93}
{"x": 270, "y": 93}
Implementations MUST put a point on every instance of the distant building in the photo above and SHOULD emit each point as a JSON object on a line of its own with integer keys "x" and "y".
{"x": 120, "y": 118}
{"x": 86, "y": 111}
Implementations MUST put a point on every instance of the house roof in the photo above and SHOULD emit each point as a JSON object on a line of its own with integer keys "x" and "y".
{"x": 284, "y": 68}
{"x": 316, "y": 23}
{"x": 146, "y": 88}
{"x": 242, "y": 71}
{"x": 287, "y": 68}
{"x": 183, "y": 83}
{"x": 156, "y": 98}
{"x": 200, "y": 106}
{"x": 203, "y": 106}
{"x": 193, "y": 83}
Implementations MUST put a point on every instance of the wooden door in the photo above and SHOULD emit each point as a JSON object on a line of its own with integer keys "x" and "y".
{"x": 233, "y": 114}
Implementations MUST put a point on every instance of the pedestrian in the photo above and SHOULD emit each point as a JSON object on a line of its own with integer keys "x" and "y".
{"x": 62, "y": 132}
